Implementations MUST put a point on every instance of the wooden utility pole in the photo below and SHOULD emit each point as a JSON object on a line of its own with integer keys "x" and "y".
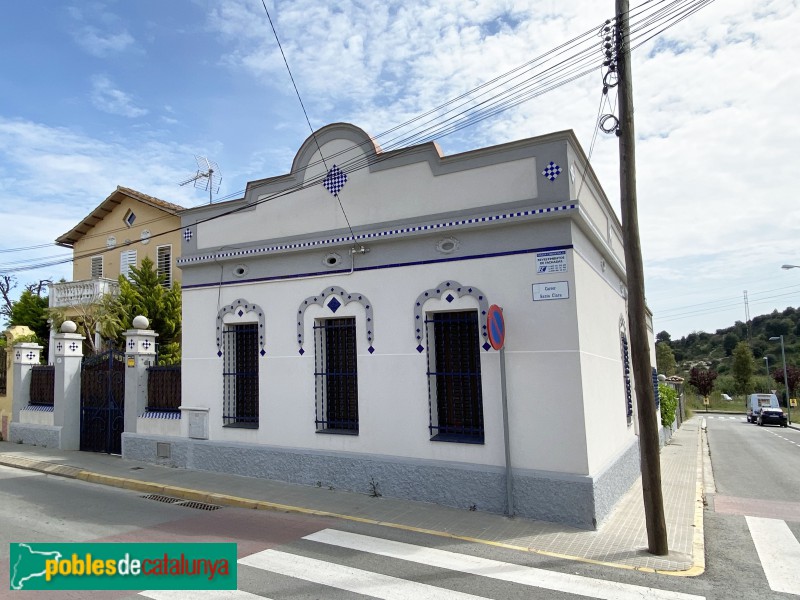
{"x": 640, "y": 352}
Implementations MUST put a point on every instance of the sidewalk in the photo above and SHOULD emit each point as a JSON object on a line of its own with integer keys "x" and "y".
{"x": 620, "y": 542}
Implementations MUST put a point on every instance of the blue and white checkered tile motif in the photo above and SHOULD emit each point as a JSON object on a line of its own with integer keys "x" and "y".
{"x": 187, "y": 234}
{"x": 375, "y": 235}
{"x": 159, "y": 414}
{"x": 552, "y": 171}
{"x": 335, "y": 179}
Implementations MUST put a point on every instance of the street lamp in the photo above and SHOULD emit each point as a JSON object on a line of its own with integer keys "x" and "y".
{"x": 790, "y": 266}
{"x": 766, "y": 360}
{"x": 785, "y": 377}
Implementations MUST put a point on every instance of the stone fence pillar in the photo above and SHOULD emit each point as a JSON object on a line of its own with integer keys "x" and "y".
{"x": 140, "y": 353}
{"x": 68, "y": 355}
{"x": 25, "y": 357}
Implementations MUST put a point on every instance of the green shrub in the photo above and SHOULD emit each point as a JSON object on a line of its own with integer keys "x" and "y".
{"x": 669, "y": 404}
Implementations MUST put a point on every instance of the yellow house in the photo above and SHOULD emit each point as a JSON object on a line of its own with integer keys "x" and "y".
{"x": 124, "y": 229}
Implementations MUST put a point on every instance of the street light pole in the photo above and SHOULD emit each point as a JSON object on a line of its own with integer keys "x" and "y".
{"x": 766, "y": 359}
{"x": 785, "y": 378}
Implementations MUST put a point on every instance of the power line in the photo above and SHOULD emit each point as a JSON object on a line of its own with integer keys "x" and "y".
{"x": 574, "y": 67}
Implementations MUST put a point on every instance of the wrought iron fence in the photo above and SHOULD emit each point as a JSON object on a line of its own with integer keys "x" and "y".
{"x": 3, "y": 370}
{"x": 43, "y": 381}
{"x": 164, "y": 388}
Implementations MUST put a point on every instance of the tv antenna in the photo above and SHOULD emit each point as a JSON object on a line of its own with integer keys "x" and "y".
{"x": 208, "y": 176}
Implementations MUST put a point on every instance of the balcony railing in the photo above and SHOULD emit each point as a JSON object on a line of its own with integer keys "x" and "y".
{"x": 86, "y": 291}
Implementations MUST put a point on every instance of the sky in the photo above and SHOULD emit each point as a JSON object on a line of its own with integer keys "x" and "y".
{"x": 95, "y": 94}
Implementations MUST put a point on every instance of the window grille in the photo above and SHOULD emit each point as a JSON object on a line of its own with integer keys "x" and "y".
{"x": 97, "y": 267}
{"x": 164, "y": 264}
{"x": 336, "y": 375}
{"x": 454, "y": 377}
{"x": 656, "y": 395}
{"x": 626, "y": 374}
{"x": 127, "y": 259}
{"x": 240, "y": 375}
{"x": 3, "y": 371}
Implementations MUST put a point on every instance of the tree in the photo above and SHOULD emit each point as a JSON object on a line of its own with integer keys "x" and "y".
{"x": 31, "y": 310}
{"x": 743, "y": 367}
{"x": 663, "y": 336}
{"x": 702, "y": 380}
{"x": 7, "y": 284}
{"x": 665, "y": 359}
{"x": 89, "y": 318}
{"x": 778, "y": 327}
{"x": 729, "y": 343}
{"x": 145, "y": 294}
{"x": 792, "y": 377}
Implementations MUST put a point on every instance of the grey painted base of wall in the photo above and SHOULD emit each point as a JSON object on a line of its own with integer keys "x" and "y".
{"x": 35, "y": 435}
{"x": 568, "y": 499}
{"x": 615, "y": 481}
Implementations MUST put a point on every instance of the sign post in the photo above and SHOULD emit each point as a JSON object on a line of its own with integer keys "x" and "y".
{"x": 495, "y": 324}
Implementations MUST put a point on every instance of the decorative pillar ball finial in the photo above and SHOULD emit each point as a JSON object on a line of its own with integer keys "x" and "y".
{"x": 140, "y": 322}
{"x": 68, "y": 327}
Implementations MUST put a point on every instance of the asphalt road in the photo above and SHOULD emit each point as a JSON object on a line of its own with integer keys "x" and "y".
{"x": 301, "y": 557}
{"x": 757, "y": 476}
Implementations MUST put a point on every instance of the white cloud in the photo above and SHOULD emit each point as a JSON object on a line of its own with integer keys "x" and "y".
{"x": 99, "y": 31}
{"x": 102, "y": 44}
{"x": 109, "y": 99}
{"x": 716, "y": 124}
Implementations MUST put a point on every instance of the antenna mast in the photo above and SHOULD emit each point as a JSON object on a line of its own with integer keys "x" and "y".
{"x": 208, "y": 176}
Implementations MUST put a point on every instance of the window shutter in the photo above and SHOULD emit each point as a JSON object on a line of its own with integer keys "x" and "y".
{"x": 164, "y": 264}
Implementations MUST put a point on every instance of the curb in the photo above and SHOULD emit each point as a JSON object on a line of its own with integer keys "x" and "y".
{"x": 697, "y": 568}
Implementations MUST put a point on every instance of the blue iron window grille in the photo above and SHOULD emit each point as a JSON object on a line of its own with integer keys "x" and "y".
{"x": 655, "y": 388}
{"x": 336, "y": 375}
{"x": 454, "y": 377}
{"x": 240, "y": 375}
{"x": 626, "y": 374}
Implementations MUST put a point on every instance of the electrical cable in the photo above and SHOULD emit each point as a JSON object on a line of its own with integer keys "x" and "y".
{"x": 313, "y": 133}
{"x": 501, "y": 102}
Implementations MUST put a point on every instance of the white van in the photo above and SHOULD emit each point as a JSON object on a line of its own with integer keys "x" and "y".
{"x": 764, "y": 408}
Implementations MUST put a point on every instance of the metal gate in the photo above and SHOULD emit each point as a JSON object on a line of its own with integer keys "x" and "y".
{"x": 103, "y": 402}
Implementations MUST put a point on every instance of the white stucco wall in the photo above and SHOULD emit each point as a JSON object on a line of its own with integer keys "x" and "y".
{"x": 400, "y": 193}
{"x": 600, "y": 307}
{"x": 545, "y": 395}
{"x": 36, "y": 417}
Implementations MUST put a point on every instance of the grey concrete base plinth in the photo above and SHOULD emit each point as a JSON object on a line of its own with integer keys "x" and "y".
{"x": 567, "y": 499}
{"x": 45, "y": 436}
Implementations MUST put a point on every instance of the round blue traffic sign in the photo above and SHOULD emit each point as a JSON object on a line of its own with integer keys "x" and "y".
{"x": 496, "y": 326}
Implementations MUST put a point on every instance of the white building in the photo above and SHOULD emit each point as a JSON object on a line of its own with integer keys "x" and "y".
{"x": 317, "y": 359}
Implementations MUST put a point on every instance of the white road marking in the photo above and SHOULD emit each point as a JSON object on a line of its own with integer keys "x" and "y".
{"x": 200, "y": 595}
{"x": 540, "y": 578}
{"x": 779, "y": 553}
{"x": 348, "y": 578}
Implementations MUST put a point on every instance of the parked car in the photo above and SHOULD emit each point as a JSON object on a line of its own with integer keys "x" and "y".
{"x": 772, "y": 415}
{"x": 757, "y": 402}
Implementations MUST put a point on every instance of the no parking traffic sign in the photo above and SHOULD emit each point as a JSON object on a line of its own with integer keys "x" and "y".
{"x": 496, "y": 326}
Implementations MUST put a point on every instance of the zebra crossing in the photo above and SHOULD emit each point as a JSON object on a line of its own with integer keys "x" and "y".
{"x": 330, "y": 574}
{"x": 779, "y": 553}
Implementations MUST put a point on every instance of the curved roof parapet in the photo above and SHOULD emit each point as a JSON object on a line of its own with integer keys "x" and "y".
{"x": 329, "y": 133}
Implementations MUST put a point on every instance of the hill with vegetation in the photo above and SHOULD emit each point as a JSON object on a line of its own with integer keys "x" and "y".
{"x": 742, "y": 356}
